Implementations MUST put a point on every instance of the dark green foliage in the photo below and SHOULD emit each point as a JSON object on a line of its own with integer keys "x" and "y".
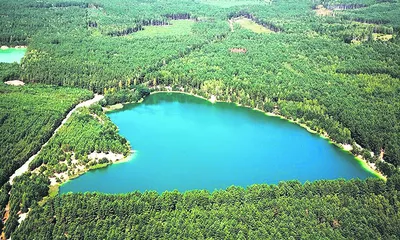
{"x": 353, "y": 88}
{"x": 28, "y": 116}
{"x": 125, "y": 95}
{"x": 4, "y": 197}
{"x": 27, "y": 190}
{"x": 394, "y": 182}
{"x": 12, "y": 224}
{"x": 323, "y": 209}
{"x": 88, "y": 130}
{"x": 9, "y": 71}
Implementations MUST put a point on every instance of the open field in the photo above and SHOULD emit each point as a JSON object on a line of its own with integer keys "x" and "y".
{"x": 252, "y": 26}
{"x": 176, "y": 28}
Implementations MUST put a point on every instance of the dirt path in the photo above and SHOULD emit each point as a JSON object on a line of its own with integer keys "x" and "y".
{"x": 231, "y": 25}
{"x": 6, "y": 213}
{"x": 25, "y": 167}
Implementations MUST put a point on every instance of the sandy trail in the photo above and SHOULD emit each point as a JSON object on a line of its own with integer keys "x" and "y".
{"x": 231, "y": 25}
{"x": 25, "y": 167}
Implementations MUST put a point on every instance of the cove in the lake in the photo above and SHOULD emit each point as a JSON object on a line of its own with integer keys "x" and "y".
{"x": 185, "y": 143}
{"x": 11, "y": 55}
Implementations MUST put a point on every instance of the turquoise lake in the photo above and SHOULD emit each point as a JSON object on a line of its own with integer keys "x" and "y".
{"x": 11, "y": 55}
{"x": 185, "y": 143}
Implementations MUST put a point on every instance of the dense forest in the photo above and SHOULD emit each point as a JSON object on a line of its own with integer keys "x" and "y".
{"x": 70, "y": 152}
{"x": 336, "y": 209}
{"x": 333, "y": 65}
{"x": 28, "y": 117}
{"x": 303, "y": 69}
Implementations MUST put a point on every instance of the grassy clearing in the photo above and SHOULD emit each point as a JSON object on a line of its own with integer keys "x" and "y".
{"x": 228, "y": 4}
{"x": 252, "y": 26}
{"x": 98, "y": 166}
{"x": 322, "y": 11}
{"x": 382, "y": 37}
{"x": 53, "y": 191}
{"x": 177, "y": 28}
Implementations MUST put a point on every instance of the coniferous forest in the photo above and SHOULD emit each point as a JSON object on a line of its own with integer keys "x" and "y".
{"x": 332, "y": 65}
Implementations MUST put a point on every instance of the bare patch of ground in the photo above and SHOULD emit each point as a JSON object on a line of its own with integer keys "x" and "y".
{"x": 381, "y": 155}
{"x": 6, "y": 213}
{"x": 110, "y": 156}
{"x": 22, "y": 217}
{"x": 213, "y": 99}
{"x": 15, "y": 83}
{"x": 75, "y": 168}
{"x": 320, "y": 10}
{"x": 7, "y": 47}
{"x": 63, "y": 176}
{"x": 238, "y": 50}
{"x": 347, "y": 147}
{"x": 230, "y": 21}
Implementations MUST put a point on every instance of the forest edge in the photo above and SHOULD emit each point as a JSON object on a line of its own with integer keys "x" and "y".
{"x": 370, "y": 167}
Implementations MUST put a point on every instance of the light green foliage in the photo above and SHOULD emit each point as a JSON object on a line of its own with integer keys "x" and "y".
{"x": 175, "y": 28}
{"x": 88, "y": 130}
{"x": 228, "y": 4}
{"x": 323, "y": 209}
{"x": 252, "y": 26}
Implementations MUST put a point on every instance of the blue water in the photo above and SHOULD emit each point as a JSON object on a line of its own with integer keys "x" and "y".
{"x": 186, "y": 143}
{"x": 11, "y": 55}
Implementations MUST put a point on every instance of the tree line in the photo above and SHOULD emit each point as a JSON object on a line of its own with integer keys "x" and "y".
{"x": 335, "y": 209}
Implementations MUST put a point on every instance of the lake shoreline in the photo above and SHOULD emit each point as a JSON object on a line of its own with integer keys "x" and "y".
{"x": 4, "y": 47}
{"x": 344, "y": 147}
{"x": 370, "y": 167}
{"x": 126, "y": 158}
{"x": 12, "y": 55}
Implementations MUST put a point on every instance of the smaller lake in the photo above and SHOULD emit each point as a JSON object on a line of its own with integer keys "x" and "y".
{"x": 185, "y": 143}
{"x": 11, "y": 55}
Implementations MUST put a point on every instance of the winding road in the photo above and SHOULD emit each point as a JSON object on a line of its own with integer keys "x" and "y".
{"x": 25, "y": 167}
